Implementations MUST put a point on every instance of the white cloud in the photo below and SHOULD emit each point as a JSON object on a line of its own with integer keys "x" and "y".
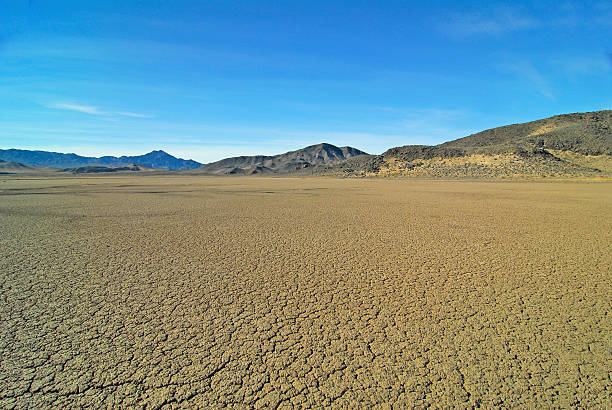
{"x": 500, "y": 21}
{"x": 206, "y": 142}
{"x": 509, "y": 19}
{"x": 92, "y": 110}
{"x": 133, "y": 114}
{"x": 87, "y": 109}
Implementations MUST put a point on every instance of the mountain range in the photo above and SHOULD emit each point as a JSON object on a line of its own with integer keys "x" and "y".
{"x": 568, "y": 145}
{"x": 154, "y": 159}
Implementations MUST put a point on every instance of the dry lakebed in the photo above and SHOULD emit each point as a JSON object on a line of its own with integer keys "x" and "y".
{"x": 188, "y": 291}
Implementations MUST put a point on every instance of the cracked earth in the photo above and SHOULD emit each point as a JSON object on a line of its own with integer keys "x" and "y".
{"x": 182, "y": 292}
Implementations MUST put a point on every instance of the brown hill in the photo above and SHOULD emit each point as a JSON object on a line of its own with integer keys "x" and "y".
{"x": 11, "y": 167}
{"x": 570, "y": 145}
{"x": 588, "y": 133}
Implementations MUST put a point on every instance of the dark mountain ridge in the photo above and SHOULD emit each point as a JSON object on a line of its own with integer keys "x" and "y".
{"x": 154, "y": 159}
{"x": 319, "y": 154}
{"x": 97, "y": 169}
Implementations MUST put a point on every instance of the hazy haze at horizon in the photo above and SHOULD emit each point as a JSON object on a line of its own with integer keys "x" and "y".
{"x": 208, "y": 81}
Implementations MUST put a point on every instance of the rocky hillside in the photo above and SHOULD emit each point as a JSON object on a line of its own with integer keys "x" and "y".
{"x": 154, "y": 159}
{"x": 588, "y": 133}
{"x": 570, "y": 145}
{"x": 314, "y": 155}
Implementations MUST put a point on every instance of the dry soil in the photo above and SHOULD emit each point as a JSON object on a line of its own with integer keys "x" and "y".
{"x": 184, "y": 291}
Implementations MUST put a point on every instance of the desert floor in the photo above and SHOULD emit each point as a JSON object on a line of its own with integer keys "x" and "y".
{"x": 181, "y": 291}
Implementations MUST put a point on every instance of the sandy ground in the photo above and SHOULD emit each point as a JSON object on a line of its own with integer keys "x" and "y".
{"x": 250, "y": 292}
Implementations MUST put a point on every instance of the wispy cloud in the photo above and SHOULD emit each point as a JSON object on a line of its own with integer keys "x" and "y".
{"x": 134, "y": 114}
{"x": 510, "y": 19}
{"x": 93, "y": 110}
{"x": 529, "y": 73}
{"x": 499, "y": 21}
{"x": 87, "y": 109}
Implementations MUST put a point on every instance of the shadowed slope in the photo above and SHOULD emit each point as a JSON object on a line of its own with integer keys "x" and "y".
{"x": 96, "y": 169}
{"x": 319, "y": 154}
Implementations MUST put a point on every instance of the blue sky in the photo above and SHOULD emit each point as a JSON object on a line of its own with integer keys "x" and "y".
{"x": 211, "y": 79}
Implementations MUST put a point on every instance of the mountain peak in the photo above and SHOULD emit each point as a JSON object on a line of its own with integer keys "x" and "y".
{"x": 318, "y": 154}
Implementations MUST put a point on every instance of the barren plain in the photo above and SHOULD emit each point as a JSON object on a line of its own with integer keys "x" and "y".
{"x": 183, "y": 291}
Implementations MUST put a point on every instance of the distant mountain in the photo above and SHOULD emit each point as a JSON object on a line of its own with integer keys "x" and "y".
{"x": 572, "y": 145}
{"x": 154, "y": 159}
{"x": 14, "y": 167}
{"x": 8, "y": 167}
{"x": 96, "y": 169}
{"x": 320, "y": 154}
